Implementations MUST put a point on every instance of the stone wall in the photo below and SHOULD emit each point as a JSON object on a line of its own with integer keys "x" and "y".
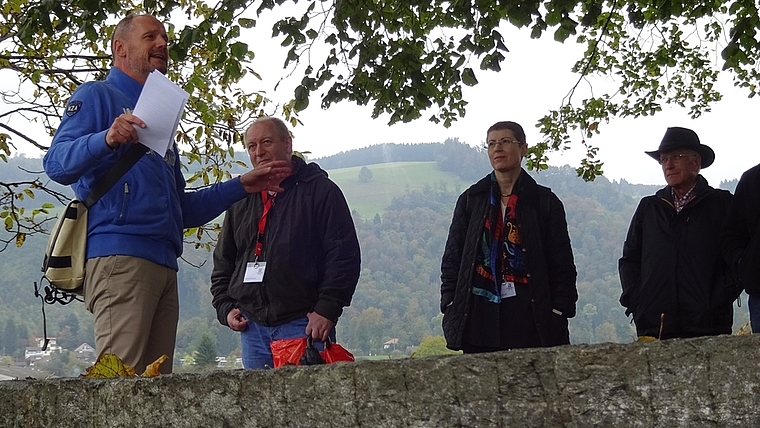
{"x": 678, "y": 383}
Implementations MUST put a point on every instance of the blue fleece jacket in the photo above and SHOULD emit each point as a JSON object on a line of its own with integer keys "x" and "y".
{"x": 144, "y": 213}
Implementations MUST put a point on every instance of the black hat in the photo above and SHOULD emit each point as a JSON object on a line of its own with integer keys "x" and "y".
{"x": 684, "y": 138}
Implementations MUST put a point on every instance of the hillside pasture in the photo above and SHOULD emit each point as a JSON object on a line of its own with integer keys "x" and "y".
{"x": 388, "y": 181}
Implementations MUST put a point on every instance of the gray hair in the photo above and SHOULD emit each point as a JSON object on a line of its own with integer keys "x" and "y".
{"x": 279, "y": 126}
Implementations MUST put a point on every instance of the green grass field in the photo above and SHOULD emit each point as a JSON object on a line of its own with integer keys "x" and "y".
{"x": 389, "y": 180}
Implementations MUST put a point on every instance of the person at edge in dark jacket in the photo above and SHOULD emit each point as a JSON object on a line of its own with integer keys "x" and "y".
{"x": 134, "y": 232}
{"x": 285, "y": 264}
{"x": 675, "y": 281}
{"x": 741, "y": 240}
{"x": 507, "y": 273}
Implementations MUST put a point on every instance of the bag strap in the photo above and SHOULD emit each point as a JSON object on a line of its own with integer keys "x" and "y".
{"x": 133, "y": 154}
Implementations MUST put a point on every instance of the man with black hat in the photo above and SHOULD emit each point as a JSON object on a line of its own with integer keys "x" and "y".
{"x": 675, "y": 281}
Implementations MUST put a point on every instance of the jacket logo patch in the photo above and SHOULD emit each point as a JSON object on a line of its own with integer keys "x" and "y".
{"x": 73, "y": 108}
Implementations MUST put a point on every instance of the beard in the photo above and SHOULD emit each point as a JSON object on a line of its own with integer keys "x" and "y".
{"x": 143, "y": 65}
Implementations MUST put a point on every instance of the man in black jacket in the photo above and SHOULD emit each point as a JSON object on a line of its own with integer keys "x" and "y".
{"x": 675, "y": 281}
{"x": 741, "y": 240}
{"x": 285, "y": 264}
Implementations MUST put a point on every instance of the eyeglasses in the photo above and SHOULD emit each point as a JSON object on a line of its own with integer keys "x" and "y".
{"x": 490, "y": 145}
{"x": 676, "y": 157}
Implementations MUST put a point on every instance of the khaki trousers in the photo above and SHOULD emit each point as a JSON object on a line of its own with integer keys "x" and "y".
{"x": 136, "y": 309}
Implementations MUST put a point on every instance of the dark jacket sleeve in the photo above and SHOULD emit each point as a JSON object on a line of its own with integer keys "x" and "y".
{"x": 629, "y": 265}
{"x": 452, "y": 253}
{"x": 225, "y": 255}
{"x": 560, "y": 262}
{"x": 341, "y": 252}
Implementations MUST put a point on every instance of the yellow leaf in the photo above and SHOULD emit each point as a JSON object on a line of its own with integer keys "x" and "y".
{"x": 745, "y": 330}
{"x": 646, "y": 339}
{"x": 109, "y": 366}
{"x": 152, "y": 369}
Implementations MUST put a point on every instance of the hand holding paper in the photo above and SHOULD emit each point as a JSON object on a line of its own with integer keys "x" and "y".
{"x": 160, "y": 106}
{"x": 123, "y": 130}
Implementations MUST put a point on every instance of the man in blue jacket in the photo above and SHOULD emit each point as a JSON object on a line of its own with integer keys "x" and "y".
{"x": 135, "y": 230}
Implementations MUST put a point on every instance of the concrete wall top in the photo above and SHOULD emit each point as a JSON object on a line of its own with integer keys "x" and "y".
{"x": 676, "y": 383}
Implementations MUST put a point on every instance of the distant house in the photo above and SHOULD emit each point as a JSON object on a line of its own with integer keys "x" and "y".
{"x": 85, "y": 352}
{"x": 391, "y": 344}
{"x": 34, "y": 354}
{"x": 52, "y": 342}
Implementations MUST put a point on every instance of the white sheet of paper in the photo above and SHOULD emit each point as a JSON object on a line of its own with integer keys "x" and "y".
{"x": 160, "y": 106}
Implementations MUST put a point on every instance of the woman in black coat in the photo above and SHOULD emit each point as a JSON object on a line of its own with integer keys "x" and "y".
{"x": 507, "y": 274}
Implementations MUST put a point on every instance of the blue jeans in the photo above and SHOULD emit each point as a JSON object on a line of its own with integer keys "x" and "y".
{"x": 754, "y": 313}
{"x": 256, "y": 338}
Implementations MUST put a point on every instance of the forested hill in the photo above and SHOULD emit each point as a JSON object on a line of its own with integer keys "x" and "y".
{"x": 402, "y": 211}
{"x": 381, "y": 153}
{"x": 467, "y": 162}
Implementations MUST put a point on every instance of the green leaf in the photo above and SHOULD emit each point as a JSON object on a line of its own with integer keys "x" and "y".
{"x": 553, "y": 18}
{"x": 247, "y": 23}
{"x": 239, "y": 50}
{"x": 302, "y": 98}
{"x": 468, "y": 77}
{"x": 591, "y": 15}
{"x": 561, "y": 34}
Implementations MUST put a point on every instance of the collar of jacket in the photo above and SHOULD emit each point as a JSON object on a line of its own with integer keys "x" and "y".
{"x": 700, "y": 190}
{"x": 127, "y": 85}
{"x": 525, "y": 187}
{"x": 303, "y": 172}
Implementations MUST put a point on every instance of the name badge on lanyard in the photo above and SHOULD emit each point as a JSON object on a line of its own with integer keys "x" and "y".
{"x": 254, "y": 271}
{"x": 508, "y": 289}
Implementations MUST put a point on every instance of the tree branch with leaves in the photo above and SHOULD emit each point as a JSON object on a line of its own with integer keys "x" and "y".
{"x": 52, "y": 47}
{"x": 406, "y": 59}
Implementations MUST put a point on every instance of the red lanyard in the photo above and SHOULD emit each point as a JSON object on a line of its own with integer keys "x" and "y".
{"x": 268, "y": 201}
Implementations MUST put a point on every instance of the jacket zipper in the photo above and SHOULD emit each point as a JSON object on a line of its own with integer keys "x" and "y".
{"x": 124, "y": 201}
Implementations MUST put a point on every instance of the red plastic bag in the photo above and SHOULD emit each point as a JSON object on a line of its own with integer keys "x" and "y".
{"x": 334, "y": 352}
{"x": 288, "y": 351}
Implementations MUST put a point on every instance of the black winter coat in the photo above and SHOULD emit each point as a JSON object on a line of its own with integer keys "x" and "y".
{"x": 310, "y": 248}
{"x": 544, "y": 239}
{"x": 741, "y": 234}
{"x": 672, "y": 272}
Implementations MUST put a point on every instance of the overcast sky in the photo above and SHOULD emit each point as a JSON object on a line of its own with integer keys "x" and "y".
{"x": 535, "y": 77}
